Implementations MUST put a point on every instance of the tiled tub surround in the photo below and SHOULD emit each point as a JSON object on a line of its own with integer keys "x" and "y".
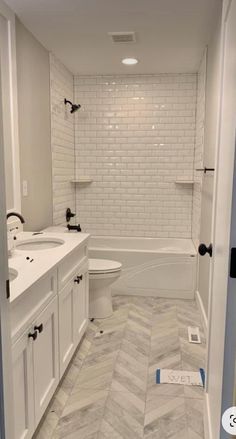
{"x": 147, "y": 264}
{"x": 134, "y": 137}
{"x": 109, "y": 390}
{"x": 62, "y": 140}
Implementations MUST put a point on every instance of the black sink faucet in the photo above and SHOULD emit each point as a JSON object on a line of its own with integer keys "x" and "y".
{"x": 18, "y": 215}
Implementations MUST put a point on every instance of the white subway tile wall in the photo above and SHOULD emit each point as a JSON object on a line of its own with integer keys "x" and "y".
{"x": 62, "y": 140}
{"x": 199, "y": 150}
{"x": 134, "y": 136}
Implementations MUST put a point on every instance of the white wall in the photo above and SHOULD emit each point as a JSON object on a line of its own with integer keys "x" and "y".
{"x": 62, "y": 140}
{"x": 34, "y": 128}
{"x": 134, "y": 137}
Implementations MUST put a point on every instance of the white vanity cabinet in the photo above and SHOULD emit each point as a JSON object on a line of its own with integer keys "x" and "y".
{"x": 47, "y": 323}
{"x": 35, "y": 370}
{"x": 81, "y": 303}
{"x": 22, "y": 358}
{"x": 45, "y": 358}
{"x": 73, "y": 314}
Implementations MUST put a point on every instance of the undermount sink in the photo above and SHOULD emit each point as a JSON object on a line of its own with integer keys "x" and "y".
{"x": 39, "y": 244}
{"x": 12, "y": 274}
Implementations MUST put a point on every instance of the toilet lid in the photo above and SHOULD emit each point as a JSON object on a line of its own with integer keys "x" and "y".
{"x": 103, "y": 266}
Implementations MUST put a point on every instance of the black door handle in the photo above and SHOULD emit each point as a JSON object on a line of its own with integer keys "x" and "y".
{"x": 33, "y": 335}
{"x": 203, "y": 249}
{"x": 39, "y": 328}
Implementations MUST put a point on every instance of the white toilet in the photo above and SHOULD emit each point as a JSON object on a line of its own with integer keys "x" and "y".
{"x": 102, "y": 274}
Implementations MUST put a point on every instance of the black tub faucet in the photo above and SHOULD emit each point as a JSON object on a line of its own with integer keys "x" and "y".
{"x": 18, "y": 215}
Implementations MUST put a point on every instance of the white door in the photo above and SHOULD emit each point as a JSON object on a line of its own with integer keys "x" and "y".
{"x": 6, "y": 388}
{"x": 45, "y": 358}
{"x": 222, "y": 330}
{"x": 23, "y": 387}
{"x": 67, "y": 343}
{"x": 81, "y": 303}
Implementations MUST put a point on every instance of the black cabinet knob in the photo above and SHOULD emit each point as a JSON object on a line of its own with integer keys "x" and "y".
{"x": 203, "y": 249}
{"x": 80, "y": 277}
{"x": 33, "y": 335}
{"x": 39, "y": 328}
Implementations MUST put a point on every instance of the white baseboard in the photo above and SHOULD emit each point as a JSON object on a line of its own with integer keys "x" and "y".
{"x": 207, "y": 419}
{"x": 202, "y": 311}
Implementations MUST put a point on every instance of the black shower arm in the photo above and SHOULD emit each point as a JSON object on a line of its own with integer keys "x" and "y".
{"x": 67, "y": 102}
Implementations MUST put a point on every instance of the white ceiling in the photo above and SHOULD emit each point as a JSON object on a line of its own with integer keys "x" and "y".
{"x": 171, "y": 34}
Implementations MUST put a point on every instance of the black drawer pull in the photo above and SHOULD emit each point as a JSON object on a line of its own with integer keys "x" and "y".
{"x": 33, "y": 336}
{"x": 39, "y": 328}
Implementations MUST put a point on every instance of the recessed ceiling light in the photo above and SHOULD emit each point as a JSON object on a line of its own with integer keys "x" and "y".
{"x": 129, "y": 61}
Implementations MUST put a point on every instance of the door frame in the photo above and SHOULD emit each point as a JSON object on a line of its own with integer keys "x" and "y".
{"x": 6, "y": 387}
{"x": 221, "y": 347}
{"x": 9, "y": 16}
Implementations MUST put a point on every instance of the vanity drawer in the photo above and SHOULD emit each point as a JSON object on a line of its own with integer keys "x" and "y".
{"x": 31, "y": 302}
{"x": 69, "y": 267}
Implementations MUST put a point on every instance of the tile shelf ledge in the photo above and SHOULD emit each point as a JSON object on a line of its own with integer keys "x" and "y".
{"x": 82, "y": 180}
{"x": 184, "y": 181}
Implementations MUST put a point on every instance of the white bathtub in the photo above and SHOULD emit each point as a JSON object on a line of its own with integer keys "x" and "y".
{"x": 150, "y": 266}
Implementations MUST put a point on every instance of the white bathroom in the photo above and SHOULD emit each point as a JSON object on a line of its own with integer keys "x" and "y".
{"x": 118, "y": 245}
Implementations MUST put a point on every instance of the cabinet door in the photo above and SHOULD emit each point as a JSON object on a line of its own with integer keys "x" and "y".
{"x": 46, "y": 358}
{"x": 67, "y": 342}
{"x": 23, "y": 387}
{"x": 81, "y": 303}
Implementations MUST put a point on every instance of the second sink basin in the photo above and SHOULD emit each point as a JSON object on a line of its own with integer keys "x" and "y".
{"x": 39, "y": 244}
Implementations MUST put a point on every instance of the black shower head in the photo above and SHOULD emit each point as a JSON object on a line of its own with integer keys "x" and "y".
{"x": 74, "y": 107}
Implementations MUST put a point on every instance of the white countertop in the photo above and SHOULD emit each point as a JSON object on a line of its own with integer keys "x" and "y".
{"x": 43, "y": 260}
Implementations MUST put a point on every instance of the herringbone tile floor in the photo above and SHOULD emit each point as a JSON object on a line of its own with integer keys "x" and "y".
{"x": 109, "y": 390}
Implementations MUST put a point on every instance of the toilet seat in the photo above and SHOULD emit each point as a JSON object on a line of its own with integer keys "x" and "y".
{"x": 103, "y": 266}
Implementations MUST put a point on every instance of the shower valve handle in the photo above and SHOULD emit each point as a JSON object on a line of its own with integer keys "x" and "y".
{"x": 69, "y": 214}
{"x": 203, "y": 249}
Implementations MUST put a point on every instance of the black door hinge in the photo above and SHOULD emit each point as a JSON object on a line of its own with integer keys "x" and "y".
{"x": 233, "y": 263}
{"x": 8, "y": 289}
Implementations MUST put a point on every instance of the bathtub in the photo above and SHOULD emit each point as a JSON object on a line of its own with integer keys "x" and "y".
{"x": 150, "y": 266}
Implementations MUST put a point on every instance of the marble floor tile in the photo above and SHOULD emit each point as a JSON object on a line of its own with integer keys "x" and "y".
{"x": 194, "y": 412}
{"x": 97, "y": 375}
{"x": 165, "y": 416}
{"x": 192, "y": 355}
{"x": 123, "y": 416}
{"x": 82, "y": 415}
{"x": 109, "y": 390}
